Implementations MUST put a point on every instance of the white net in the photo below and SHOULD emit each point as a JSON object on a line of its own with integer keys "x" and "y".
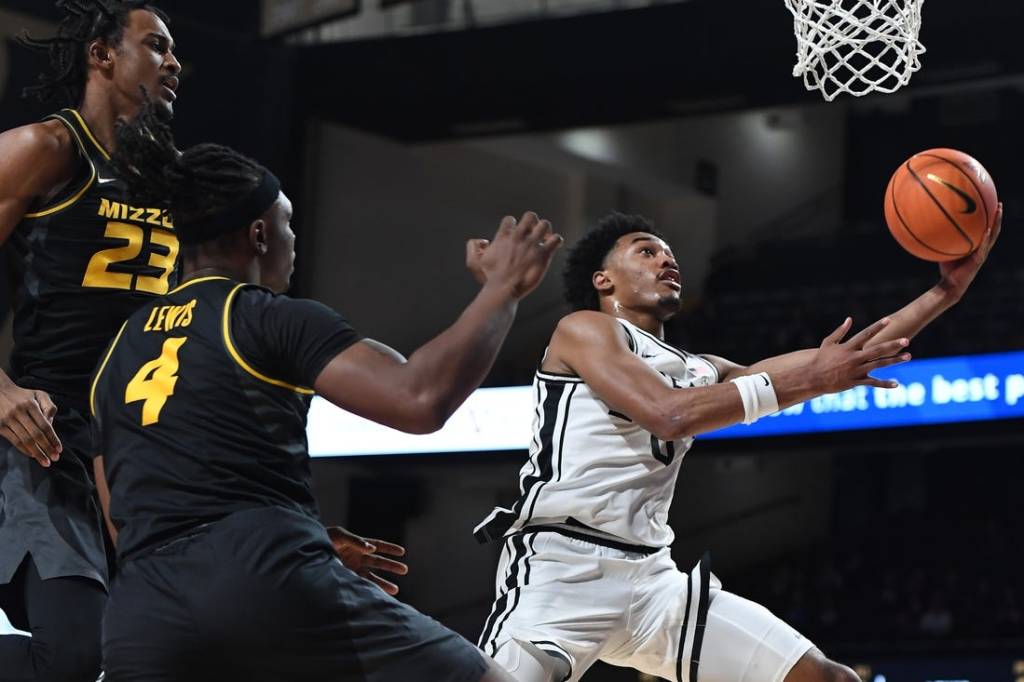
{"x": 856, "y": 46}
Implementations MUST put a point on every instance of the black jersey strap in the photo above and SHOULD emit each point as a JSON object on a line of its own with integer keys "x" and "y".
{"x": 72, "y": 119}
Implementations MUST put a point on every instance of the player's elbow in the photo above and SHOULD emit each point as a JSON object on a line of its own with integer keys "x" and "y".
{"x": 424, "y": 413}
{"x": 421, "y": 427}
{"x": 673, "y": 431}
{"x": 668, "y": 427}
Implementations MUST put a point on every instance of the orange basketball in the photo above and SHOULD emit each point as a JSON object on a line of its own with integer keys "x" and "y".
{"x": 939, "y": 204}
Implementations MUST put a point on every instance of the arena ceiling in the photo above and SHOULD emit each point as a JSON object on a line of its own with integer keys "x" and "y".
{"x": 640, "y": 64}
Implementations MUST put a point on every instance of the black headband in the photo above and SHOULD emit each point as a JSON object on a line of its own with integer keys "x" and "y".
{"x": 243, "y": 212}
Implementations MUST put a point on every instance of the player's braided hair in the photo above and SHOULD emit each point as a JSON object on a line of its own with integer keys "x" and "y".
{"x": 193, "y": 184}
{"x": 589, "y": 253}
{"x": 84, "y": 21}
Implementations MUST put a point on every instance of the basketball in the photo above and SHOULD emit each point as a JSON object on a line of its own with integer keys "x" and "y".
{"x": 939, "y": 204}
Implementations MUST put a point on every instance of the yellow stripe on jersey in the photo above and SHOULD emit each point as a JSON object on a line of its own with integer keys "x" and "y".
{"x": 103, "y": 366}
{"x": 85, "y": 188}
{"x": 190, "y": 282}
{"x": 81, "y": 121}
{"x": 241, "y": 361}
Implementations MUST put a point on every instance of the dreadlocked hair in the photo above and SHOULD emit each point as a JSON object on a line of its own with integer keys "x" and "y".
{"x": 191, "y": 185}
{"x": 84, "y": 21}
{"x": 589, "y": 253}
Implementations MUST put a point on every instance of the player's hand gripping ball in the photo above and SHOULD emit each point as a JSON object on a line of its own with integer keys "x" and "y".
{"x": 939, "y": 204}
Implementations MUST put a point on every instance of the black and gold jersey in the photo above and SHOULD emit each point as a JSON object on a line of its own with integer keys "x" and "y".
{"x": 84, "y": 263}
{"x": 199, "y": 407}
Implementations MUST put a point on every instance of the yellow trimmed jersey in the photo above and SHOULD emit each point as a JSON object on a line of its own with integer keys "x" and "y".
{"x": 199, "y": 407}
{"x": 84, "y": 261}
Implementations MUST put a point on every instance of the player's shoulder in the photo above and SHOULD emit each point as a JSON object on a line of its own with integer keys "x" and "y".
{"x": 40, "y": 141}
{"x": 584, "y": 321}
{"x": 262, "y": 297}
{"x": 270, "y": 309}
{"x": 43, "y": 153}
{"x": 585, "y": 327}
{"x": 253, "y": 293}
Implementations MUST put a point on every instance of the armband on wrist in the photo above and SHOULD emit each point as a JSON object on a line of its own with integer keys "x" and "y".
{"x": 758, "y": 396}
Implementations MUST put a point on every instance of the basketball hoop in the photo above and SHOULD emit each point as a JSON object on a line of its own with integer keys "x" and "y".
{"x": 856, "y": 46}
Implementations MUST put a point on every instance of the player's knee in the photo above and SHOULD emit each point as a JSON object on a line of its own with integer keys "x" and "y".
{"x": 71, "y": 661}
{"x": 815, "y": 667}
{"x": 841, "y": 673}
{"x": 830, "y": 671}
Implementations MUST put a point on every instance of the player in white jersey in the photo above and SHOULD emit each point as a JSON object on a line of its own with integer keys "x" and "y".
{"x": 586, "y": 573}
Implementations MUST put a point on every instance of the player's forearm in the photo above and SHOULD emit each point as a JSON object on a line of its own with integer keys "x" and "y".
{"x": 781, "y": 363}
{"x": 909, "y": 320}
{"x": 446, "y": 370}
{"x": 693, "y": 411}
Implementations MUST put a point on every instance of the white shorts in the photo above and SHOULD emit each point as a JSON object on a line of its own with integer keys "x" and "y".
{"x": 583, "y": 602}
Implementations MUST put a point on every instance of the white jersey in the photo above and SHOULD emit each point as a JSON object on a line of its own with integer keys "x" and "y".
{"x": 594, "y": 469}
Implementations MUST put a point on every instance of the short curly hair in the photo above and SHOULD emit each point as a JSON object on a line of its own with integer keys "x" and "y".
{"x": 589, "y": 253}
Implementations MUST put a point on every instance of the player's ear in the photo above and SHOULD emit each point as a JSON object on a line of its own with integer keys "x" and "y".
{"x": 258, "y": 237}
{"x": 602, "y": 282}
{"x": 100, "y": 54}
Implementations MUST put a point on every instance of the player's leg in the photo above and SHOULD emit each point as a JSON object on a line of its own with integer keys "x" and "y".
{"x": 268, "y": 597}
{"x": 558, "y": 603}
{"x": 150, "y": 632}
{"x": 745, "y": 642}
{"x": 740, "y": 641}
{"x": 49, "y": 525}
{"x": 63, "y": 617}
{"x": 15, "y": 640}
{"x": 815, "y": 667}
{"x": 321, "y": 621}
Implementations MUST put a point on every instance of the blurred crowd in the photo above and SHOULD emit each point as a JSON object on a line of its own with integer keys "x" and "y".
{"x": 959, "y": 584}
{"x": 776, "y": 297}
{"x": 924, "y": 553}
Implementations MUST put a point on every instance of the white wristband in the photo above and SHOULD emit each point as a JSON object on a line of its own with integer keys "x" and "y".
{"x": 758, "y": 396}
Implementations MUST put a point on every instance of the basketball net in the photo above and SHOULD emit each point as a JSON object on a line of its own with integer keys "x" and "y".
{"x": 856, "y": 46}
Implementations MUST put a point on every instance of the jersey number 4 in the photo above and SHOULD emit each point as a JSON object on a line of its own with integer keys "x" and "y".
{"x": 99, "y": 275}
{"x": 155, "y": 380}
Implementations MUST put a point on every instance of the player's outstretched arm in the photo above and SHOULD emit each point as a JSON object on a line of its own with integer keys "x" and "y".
{"x": 36, "y": 160}
{"x": 418, "y": 395}
{"x": 728, "y": 370}
{"x": 907, "y": 322}
{"x": 593, "y": 346}
{"x": 955, "y": 278}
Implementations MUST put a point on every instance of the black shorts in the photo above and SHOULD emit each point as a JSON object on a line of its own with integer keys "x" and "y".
{"x": 52, "y": 513}
{"x": 260, "y": 595}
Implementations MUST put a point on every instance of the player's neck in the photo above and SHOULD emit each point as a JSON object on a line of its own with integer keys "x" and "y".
{"x": 100, "y": 115}
{"x": 196, "y": 267}
{"x": 649, "y": 322}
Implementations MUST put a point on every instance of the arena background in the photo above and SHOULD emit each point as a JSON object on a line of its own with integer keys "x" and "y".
{"x": 402, "y": 128}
